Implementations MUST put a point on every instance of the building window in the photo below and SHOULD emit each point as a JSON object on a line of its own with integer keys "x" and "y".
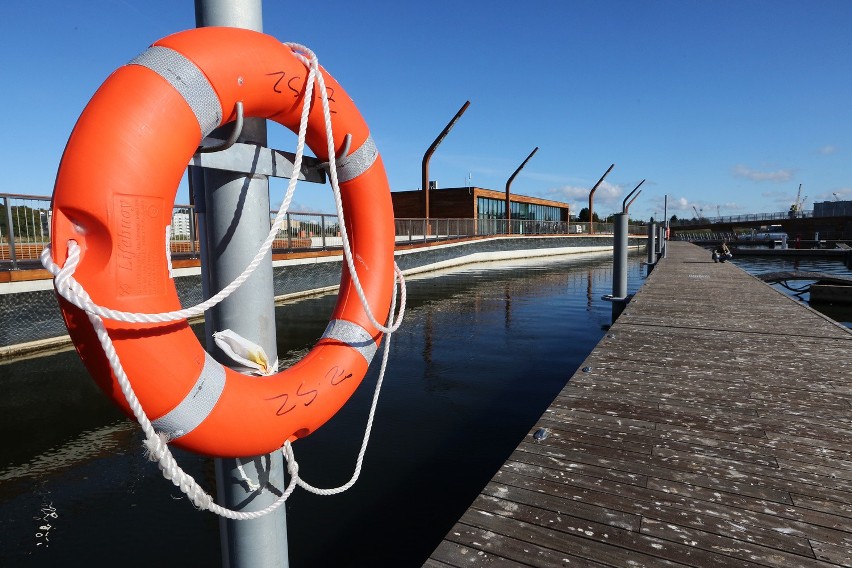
{"x": 488, "y": 208}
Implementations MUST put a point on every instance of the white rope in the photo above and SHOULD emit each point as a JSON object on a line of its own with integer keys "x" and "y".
{"x": 252, "y": 486}
{"x": 313, "y": 63}
{"x": 288, "y": 451}
{"x": 74, "y": 289}
{"x": 156, "y": 444}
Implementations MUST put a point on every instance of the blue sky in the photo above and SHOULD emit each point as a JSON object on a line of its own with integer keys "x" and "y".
{"x": 720, "y": 105}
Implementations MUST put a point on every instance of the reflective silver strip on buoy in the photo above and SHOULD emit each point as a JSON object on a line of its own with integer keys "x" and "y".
{"x": 198, "y": 404}
{"x": 351, "y": 166}
{"x": 352, "y": 335}
{"x": 188, "y": 80}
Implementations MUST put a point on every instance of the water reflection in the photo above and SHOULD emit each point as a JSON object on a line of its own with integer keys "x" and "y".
{"x": 482, "y": 352}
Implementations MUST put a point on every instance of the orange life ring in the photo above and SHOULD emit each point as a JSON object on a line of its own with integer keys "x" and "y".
{"x": 114, "y": 195}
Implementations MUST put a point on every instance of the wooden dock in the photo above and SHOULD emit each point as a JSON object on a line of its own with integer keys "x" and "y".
{"x": 712, "y": 426}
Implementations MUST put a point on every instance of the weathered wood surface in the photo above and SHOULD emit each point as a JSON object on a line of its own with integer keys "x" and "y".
{"x": 713, "y": 428}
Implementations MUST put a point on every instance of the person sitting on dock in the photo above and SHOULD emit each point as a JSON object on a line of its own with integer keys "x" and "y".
{"x": 722, "y": 253}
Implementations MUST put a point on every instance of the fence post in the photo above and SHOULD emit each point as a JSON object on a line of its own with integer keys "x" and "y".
{"x": 192, "y": 234}
{"x": 322, "y": 229}
{"x": 10, "y": 230}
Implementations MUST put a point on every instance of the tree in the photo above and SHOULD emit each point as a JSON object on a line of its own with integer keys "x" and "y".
{"x": 28, "y": 224}
{"x": 583, "y": 216}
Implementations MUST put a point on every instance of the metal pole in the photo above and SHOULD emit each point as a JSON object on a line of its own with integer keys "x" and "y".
{"x": 652, "y": 245}
{"x": 661, "y": 240}
{"x": 666, "y": 224}
{"x": 10, "y": 233}
{"x": 234, "y": 220}
{"x": 428, "y": 156}
{"x": 192, "y": 231}
{"x": 508, "y": 185}
{"x": 629, "y": 203}
{"x": 619, "y": 264}
{"x": 625, "y": 205}
{"x": 591, "y": 201}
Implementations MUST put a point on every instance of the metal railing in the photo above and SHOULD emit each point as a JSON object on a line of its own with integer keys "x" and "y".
{"x": 414, "y": 230}
{"x": 25, "y": 230}
{"x": 777, "y": 216}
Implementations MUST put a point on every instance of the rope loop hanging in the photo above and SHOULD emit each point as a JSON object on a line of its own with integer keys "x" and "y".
{"x": 105, "y": 228}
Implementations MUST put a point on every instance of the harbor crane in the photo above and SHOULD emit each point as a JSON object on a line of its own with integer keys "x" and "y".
{"x": 799, "y": 204}
{"x": 699, "y": 213}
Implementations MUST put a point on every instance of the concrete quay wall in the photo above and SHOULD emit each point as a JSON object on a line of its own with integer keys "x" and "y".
{"x": 30, "y": 320}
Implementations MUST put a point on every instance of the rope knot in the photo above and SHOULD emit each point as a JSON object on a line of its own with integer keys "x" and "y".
{"x": 156, "y": 447}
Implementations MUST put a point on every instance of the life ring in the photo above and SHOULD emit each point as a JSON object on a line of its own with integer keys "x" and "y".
{"x": 114, "y": 195}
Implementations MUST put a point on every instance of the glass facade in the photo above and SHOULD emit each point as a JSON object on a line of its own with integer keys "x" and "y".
{"x": 488, "y": 208}
{"x": 491, "y": 208}
{"x": 491, "y": 215}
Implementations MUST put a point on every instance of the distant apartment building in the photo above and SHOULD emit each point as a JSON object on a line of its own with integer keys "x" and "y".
{"x": 181, "y": 227}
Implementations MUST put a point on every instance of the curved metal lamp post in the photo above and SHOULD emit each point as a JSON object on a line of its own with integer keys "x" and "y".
{"x": 591, "y": 201}
{"x": 508, "y": 185}
{"x": 428, "y": 156}
{"x": 624, "y": 204}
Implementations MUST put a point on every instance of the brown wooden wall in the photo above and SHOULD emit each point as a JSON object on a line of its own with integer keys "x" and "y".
{"x": 456, "y": 202}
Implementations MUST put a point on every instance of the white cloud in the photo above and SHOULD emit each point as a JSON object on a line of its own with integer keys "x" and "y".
{"x": 605, "y": 194}
{"x": 777, "y": 176}
{"x": 680, "y": 204}
{"x": 683, "y": 204}
{"x": 828, "y": 149}
{"x": 842, "y": 194}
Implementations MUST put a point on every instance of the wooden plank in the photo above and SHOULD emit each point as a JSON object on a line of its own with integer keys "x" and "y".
{"x": 614, "y": 537}
{"x": 713, "y": 428}
{"x": 477, "y": 546}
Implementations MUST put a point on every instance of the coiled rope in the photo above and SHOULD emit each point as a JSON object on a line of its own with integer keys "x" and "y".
{"x": 156, "y": 444}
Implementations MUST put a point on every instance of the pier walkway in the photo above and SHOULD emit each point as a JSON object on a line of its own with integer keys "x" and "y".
{"x": 712, "y": 426}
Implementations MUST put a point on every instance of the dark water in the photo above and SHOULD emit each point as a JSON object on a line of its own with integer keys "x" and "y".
{"x": 483, "y": 351}
{"x": 841, "y": 313}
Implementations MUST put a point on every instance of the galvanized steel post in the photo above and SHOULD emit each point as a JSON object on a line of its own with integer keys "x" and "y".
{"x": 665, "y": 224}
{"x": 620, "y": 246}
{"x": 652, "y": 245}
{"x": 234, "y": 221}
{"x": 619, "y": 264}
